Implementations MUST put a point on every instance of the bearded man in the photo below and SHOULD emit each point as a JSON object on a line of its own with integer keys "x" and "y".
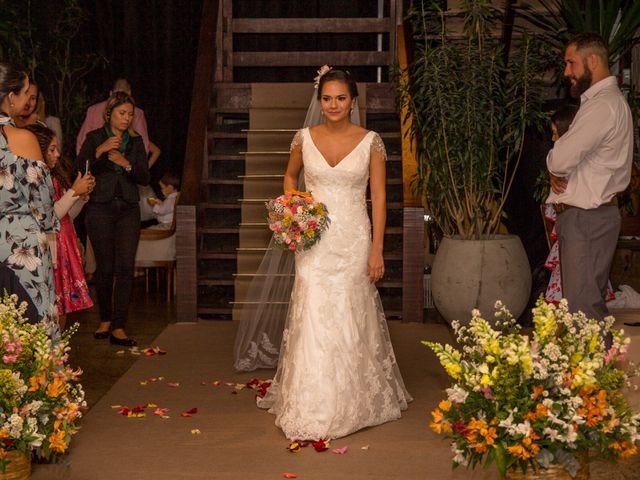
{"x": 588, "y": 166}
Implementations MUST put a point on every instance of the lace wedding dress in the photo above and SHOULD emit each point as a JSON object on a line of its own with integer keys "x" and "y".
{"x": 337, "y": 372}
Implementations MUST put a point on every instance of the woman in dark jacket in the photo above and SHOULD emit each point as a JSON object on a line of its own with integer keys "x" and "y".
{"x": 116, "y": 156}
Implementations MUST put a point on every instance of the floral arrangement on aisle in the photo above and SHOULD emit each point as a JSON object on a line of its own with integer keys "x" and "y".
{"x": 297, "y": 222}
{"x": 40, "y": 397}
{"x": 535, "y": 403}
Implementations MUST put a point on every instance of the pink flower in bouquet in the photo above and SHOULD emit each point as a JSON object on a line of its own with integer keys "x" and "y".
{"x": 296, "y": 220}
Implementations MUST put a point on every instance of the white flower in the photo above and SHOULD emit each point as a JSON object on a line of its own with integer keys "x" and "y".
{"x": 6, "y": 179}
{"x": 15, "y": 425}
{"x": 457, "y": 394}
{"x": 34, "y": 175}
{"x": 24, "y": 257}
{"x": 323, "y": 70}
{"x": 551, "y": 434}
{"x": 458, "y": 455}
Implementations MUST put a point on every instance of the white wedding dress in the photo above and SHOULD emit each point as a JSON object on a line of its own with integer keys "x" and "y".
{"x": 337, "y": 372}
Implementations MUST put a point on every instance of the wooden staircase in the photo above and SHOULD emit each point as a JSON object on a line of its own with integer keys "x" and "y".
{"x": 247, "y": 143}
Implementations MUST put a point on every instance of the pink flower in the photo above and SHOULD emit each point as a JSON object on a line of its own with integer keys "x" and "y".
{"x": 610, "y": 355}
{"x": 10, "y": 358}
{"x": 487, "y": 393}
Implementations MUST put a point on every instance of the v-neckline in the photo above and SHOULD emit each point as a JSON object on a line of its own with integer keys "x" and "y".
{"x": 324, "y": 159}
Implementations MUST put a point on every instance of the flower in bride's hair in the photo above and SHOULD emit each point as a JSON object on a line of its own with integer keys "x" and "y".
{"x": 323, "y": 69}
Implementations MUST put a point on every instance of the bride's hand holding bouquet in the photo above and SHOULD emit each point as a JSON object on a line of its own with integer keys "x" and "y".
{"x": 296, "y": 220}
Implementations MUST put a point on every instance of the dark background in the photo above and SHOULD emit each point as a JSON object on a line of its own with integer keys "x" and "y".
{"x": 152, "y": 43}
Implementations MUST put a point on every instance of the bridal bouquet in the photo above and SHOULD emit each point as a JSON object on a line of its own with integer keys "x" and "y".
{"x": 545, "y": 402}
{"x": 40, "y": 397}
{"x": 297, "y": 222}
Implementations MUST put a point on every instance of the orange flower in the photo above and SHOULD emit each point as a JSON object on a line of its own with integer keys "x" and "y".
{"x": 445, "y": 405}
{"x": 58, "y": 441}
{"x": 630, "y": 449}
{"x": 55, "y": 388}
{"x": 439, "y": 424}
{"x": 537, "y": 391}
{"x": 36, "y": 382}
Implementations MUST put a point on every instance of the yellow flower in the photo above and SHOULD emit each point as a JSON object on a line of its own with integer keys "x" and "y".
{"x": 445, "y": 405}
{"x": 310, "y": 233}
{"x": 58, "y": 441}
{"x": 453, "y": 369}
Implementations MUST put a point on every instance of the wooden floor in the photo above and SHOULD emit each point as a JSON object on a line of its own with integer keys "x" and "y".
{"x": 229, "y": 438}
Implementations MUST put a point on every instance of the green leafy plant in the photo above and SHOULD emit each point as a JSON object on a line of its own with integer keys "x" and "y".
{"x": 469, "y": 109}
{"x": 617, "y": 21}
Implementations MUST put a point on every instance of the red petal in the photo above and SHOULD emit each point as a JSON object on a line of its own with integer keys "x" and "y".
{"x": 189, "y": 413}
{"x": 289, "y": 475}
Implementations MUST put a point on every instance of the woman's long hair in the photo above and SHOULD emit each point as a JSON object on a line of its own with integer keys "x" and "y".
{"x": 45, "y": 136}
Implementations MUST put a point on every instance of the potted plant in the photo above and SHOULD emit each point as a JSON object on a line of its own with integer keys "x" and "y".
{"x": 40, "y": 397}
{"x": 534, "y": 405}
{"x": 469, "y": 109}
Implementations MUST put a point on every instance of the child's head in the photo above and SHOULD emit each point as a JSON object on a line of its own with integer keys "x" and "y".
{"x": 48, "y": 143}
{"x": 169, "y": 183}
{"x": 561, "y": 120}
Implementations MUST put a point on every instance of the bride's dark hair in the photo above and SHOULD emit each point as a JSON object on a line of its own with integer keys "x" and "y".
{"x": 339, "y": 76}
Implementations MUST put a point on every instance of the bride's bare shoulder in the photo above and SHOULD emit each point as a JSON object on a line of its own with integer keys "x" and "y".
{"x": 358, "y": 130}
{"x": 317, "y": 128}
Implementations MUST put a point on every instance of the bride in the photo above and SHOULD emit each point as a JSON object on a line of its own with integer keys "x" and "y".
{"x": 337, "y": 372}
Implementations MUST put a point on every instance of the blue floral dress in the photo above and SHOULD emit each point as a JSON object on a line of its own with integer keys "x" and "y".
{"x": 26, "y": 213}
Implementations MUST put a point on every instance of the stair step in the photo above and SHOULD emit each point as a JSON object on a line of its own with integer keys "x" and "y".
{"x": 214, "y": 310}
{"x": 223, "y": 181}
{"x": 222, "y": 156}
{"x": 251, "y": 275}
{"x": 222, "y": 134}
{"x": 214, "y": 283}
{"x": 269, "y": 130}
{"x": 268, "y": 152}
{"x": 217, "y": 256}
{"x": 223, "y": 206}
{"x": 261, "y": 176}
{"x": 259, "y": 303}
{"x": 219, "y": 230}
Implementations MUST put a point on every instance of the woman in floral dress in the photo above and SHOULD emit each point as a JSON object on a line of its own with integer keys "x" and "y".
{"x": 26, "y": 200}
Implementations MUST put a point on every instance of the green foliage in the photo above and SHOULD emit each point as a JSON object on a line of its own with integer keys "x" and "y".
{"x": 469, "y": 110}
{"x": 617, "y": 21}
{"x": 40, "y": 36}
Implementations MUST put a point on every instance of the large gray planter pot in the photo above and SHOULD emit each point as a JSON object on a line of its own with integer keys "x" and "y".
{"x": 468, "y": 274}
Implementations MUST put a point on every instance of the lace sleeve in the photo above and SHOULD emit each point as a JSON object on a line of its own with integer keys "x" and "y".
{"x": 377, "y": 145}
{"x": 297, "y": 141}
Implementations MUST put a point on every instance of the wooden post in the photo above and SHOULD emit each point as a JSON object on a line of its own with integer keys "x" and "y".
{"x": 187, "y": 267}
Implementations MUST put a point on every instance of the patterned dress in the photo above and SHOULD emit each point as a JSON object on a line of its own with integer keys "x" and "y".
{"x": 72, "y": 293}
{"x": 26, "y": 213}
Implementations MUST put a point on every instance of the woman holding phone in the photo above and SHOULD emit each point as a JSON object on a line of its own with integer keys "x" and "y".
{"x": 116, "y": 157}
